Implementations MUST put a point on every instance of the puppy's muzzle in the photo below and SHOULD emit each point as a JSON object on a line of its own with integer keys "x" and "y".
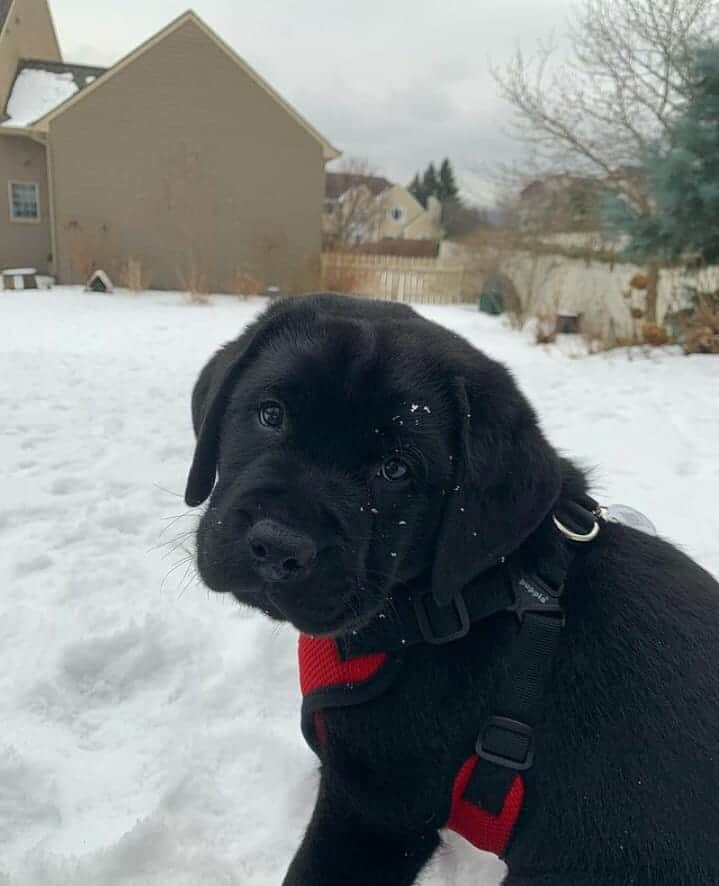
{"x": 279, "y": 553}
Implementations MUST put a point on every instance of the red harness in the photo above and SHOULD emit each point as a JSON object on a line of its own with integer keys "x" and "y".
{"x": 328, "y": 681}
{"x": 489, "y": 789}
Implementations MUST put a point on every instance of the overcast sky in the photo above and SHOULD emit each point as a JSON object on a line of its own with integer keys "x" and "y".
{"x": 398, "y": 82}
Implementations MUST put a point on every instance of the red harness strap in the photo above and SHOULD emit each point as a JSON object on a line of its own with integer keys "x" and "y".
{"x": 328, "y": 681}
{"x": 321, "y": 666}
{"x": 488, "y": 832}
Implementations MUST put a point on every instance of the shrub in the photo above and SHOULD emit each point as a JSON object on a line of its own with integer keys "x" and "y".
{"x": 133, "y": 275}
{"x": 702, "y": 330}
{"x": 655, "y": 335}
{"x": 243, "y": 283}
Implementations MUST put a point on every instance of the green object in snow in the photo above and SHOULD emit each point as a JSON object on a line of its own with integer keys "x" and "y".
{"x": 491, "y": 300}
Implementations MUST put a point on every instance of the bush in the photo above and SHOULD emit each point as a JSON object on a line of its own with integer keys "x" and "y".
{"x": 702, "y": 332}
{"x": 340, "y": 275}
{"x": 654, "y": 335}
{"x": 133, "y": 276}
{"x": 243, "y": 283}
{"x": 696, "y": 327}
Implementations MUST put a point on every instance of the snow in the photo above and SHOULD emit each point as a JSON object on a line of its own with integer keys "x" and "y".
{"x": 150, "y": 730}
{"x": 37, "y": 92}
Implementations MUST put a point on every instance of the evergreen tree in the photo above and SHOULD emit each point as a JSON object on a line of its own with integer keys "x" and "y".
{"x": 430, "y": 183}
{"x": 682, "y": 177}
{"x": 447, "y": 186}
{"x": 417, "y": 191}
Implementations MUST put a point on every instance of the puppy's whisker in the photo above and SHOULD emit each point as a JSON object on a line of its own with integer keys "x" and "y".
{"x": 189, "y": 579}
{"x": 189, "y": 559}
{"x": 168, "y": 491}
{"x": 172, "y": 544}
{"x": 172, "y": 520}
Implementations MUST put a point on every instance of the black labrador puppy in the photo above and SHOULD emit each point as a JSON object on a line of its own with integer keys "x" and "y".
{"x": 481, "y": 650}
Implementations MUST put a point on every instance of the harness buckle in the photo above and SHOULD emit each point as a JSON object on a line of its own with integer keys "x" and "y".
{"x": 532, "y": 594}
{"x": 507, "y": 743}
{"x": 429, "y": 615}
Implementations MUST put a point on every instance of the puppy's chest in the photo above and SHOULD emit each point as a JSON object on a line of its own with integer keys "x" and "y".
{"x": 397, "y": 756}
{"x": 393, "y": 733}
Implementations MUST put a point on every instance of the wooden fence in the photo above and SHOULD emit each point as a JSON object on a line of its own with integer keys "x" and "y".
{"x": 393, "y": 278}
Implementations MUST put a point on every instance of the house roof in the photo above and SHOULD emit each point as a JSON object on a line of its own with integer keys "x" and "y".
{"x": 329, "y": 152}
{"x": 338, "y": 183}
{"x": 4, "y": 10}
{"x": 40, "y": 86}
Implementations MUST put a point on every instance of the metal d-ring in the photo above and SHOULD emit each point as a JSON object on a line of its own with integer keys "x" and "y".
{"x": 575, "y": 536}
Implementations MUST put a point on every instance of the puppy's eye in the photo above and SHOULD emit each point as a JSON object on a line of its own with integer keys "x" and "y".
{"x": 271, "y": 414}
{"x": 394, "y": 469}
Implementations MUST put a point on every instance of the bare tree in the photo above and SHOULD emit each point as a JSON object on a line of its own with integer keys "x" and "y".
{"x": 596, "y": 113}
{"x": 353, "y": 208}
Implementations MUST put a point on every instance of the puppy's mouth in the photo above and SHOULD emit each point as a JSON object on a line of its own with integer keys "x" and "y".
{"x": 324, "y": 619}
{"x": 333, "y": 617}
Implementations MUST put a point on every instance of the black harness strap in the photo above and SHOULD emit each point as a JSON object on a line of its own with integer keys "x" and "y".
{"x": 505, "y": 744}
{"x": 506, "y": 741}
{"x": 414, "y": 617}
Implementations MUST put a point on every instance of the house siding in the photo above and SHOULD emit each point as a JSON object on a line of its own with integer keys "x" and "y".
{"x": 23, "y": 244}
{"x": 402, "y": 199}
{"x": 184, "y": 164}
{"x": 28, "y": 33}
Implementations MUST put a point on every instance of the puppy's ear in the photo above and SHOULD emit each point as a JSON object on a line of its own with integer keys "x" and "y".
{"x": 507, "y": 478}
{"x": 211, "y": 395}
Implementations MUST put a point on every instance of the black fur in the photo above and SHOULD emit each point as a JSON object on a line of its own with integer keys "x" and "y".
{"x": 625, "y": 788}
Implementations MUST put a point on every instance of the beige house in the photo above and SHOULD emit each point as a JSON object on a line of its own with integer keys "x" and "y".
{"x": 560, "y": 203}
{"x": 367, "y": 209}
{"x": 180, "y": 162}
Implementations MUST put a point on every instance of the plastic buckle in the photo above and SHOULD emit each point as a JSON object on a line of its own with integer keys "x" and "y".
{"x": 531, "y": 594}
{"x": 514, "y": 730}
{"x": 423, "y": 606}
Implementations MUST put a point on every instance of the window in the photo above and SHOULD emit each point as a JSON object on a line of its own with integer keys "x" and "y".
{"x": 24, "y": 202}
{"x": 396, "y": 213}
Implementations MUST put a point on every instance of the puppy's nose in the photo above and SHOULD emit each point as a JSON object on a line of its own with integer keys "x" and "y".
{"x": 280, "y": 553}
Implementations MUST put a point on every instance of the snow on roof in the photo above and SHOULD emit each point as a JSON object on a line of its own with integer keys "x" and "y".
{"x": 35, "y": 93}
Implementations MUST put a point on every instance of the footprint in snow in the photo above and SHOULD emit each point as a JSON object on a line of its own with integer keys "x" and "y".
{"x": 128, "y": 523}
{"x": 33, "y": 565}
{"x": 67, "y": 485}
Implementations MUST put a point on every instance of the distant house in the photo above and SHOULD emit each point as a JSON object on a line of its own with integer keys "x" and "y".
{"x": 560, "y": 203}
{"x": 179, "y": 161}
{"x": 368, "y": 209}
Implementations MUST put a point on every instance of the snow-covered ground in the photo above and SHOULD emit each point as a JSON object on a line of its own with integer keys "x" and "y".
{"x": 149, "y": 731}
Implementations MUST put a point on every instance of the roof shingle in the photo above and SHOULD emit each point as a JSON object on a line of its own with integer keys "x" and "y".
{"x": 338, "y": 183}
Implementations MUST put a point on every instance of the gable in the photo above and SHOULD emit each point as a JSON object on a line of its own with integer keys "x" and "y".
{"x": 32, "y": 19}
{"x": 27, "y": 32}
{"x": 402, "y": 197}
{"x": 4, "y": 11}
{"x": 192, "y": 29}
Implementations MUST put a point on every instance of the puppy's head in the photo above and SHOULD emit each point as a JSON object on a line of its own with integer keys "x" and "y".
{"x": 350, "y": 448}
